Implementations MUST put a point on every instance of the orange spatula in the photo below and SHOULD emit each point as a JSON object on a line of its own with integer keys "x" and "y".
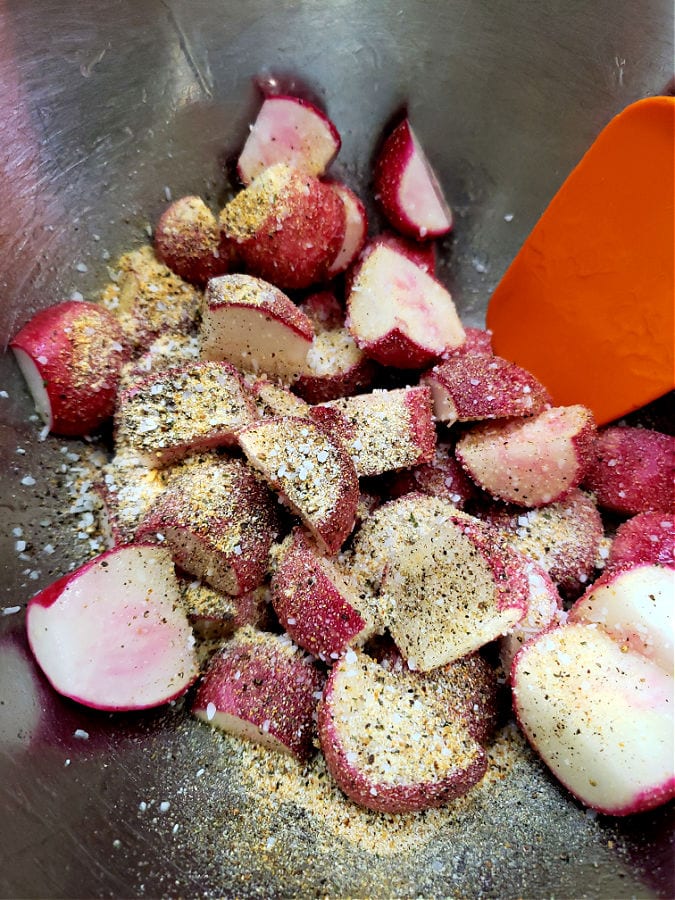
{"x": 587, "y": 304}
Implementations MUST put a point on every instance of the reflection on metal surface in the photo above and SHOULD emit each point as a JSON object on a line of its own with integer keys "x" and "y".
{"x": 105, "y": 105}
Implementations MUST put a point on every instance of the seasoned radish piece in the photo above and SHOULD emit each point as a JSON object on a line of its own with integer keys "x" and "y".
{"x": 187, "y": 240}
{"x": 635, "y": 608}
{"x": 407, "y": 189}
{"x": 478, "y": 343}
{"x": 287, "y": 226}
{"x": 112, "y": 634}
{"x": 399, "y": 315}
{"x": 632, "y": 470}
{"x": 71, "y": 356}
{"x": 449, "y": 585}
{"x": 276, "y": 400}
{"x": 423, "y": 255}
{"x": 336, "y": 368}
{"x": 562, "y": 537}
{"x": 389, "y": 741}
{"x": 441, "y": 477}
{"x": 646, "y": 538}
{"x": 292, "y": 131}
{"x": 262, "y": 688}
{"x": 384, "y": 430}
{"x": 215, "y": 615}
{"x": 315, "y": 602}
{"x": 471, "y": 388}
{"x": 164, "y": 352}
{"x": 219, "y": 523}
{"x": 544, "y": 609}
{"x": 533, "y": 461}
{"x": 179, "y": 411}
{"x": 149, "y": 299}
{"x": 600, "y": 718}
{"x": 324, "y": 311}
{"x": 253, "y": 325}
{"x": 127, "y": 491}
{"x": 356, "y": 230}
{"x": 311, "y": 471}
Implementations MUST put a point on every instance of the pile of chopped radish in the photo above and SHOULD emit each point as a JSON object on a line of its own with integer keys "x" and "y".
{"x": 351, "y": 496}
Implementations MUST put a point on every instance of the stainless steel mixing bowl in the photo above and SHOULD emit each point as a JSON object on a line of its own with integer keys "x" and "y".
{"x": 103, "y": 106}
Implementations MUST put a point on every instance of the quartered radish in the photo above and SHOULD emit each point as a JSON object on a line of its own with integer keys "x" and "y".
{"x": 407, "y": 188}
{"x": 356, "y": 229}
{"x": 440, "y": 477}
{"x": 71, "y": 356}
{"x": 215, "y": 615}
{"x": 187, "y": 240}
{"x": 335, "y": 368}
{"x": 113, "y": 634}
{"x": 288, "y": 130}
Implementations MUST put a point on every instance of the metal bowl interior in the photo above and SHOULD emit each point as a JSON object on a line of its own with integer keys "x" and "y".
{"x": 104, "y": 107}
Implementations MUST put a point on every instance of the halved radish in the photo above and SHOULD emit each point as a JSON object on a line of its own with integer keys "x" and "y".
{"x": 389, "y": 740}
{"x": 636, "y": 608}
{"x": 646, "y": 538}
{"x": 187, "y": 240}
{"x": 384, "y": 430}
{"x": 255, "y": 326}
{"x": 632, "y": 470}
{"x": 399, "y": 315}
{"x": 219, "y": 521}
{"x": 179, "y": 411}
{"x": 292, "y": 131}
{"x": 315, "y": 603}
{"x": 112, "y": 634}
{"x": 530, "y": 462}
{"x": 407, "y": 189}
{"x": 288, "y": 227}
{"x": 71, "y": 356}
{"x": 263, "y": 688}
{"x": 471, "y": 388}
{"x": 356, "y": 229}
{"x": 312, "y": 472}
{"x": 336, "y": 368}
{"x": 601, "y": 718}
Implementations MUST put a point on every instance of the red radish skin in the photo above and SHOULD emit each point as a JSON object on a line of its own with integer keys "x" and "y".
{"x": 632, "y": 470}
{"x": 530, "y": 462}
{"x": 635, "y": 607}
{"x": 407, "y": 189}
{"x": 71, "y": 356}
{"x": 600, "y": 718}
{"x": 356, "y": 230}
{"x": 288, "y": 227}
{"x": 219, "y": 523}
{"x": 112, "y": 635}
{"x": 324, "y": 311}
{"x": 646, "y": 538}
{"x": 187, "y": 240}
{"x": 289, "y": 130}
{"x": 562, "y": 537}
{"x": 384, "y": 430}
{"x": 472, "y": 388}
{"x": 310, "y": 470}
{"x": 180, "y": 411}
{"x": 255, "y": 326}
{"x": 442, "y": 477}
{"x": 315, "y": 603}
{"x": 424, "y": 758}
{"x": 399, "y": 315}
{"x": 262, "y": 688}
{"x": 337, "y": 368}
{"x": 478, "y": 343}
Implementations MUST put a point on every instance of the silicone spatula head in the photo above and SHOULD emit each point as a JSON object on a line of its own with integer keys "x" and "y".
{"x": 587, "y": 304}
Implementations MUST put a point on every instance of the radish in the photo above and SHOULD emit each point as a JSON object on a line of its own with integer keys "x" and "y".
{"x": 530, "y": 462}
{"x": 262, "y": 688}
{"x": 601, "y": 718}
{"x": 219, "y": 522}
{"x": 632, "y": 470}
{"x": 112, "y": 635}
{"x": 478, "y": 343}
{"x": 215, "y": 615}
{"x": 324, "y": 310}
{"x": 390, "y": 741}
{"x": 71, "y": 356}
{"x": 187, "y": 240}
{"x": 255, "y": 326}
{"x": 646, "y": 538}
{"x": 292, "y": 131}
{"x": 399, "y": 315}
{"x": 273, "y": 400}
{"x": 336, "y": 368}
{"x": 179, "y": 411}
{"x": 356, "y": 229}
{"x": 287, "y": 227}
{"x": 407, "y": 189}
{"x": 441, "y": 477}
